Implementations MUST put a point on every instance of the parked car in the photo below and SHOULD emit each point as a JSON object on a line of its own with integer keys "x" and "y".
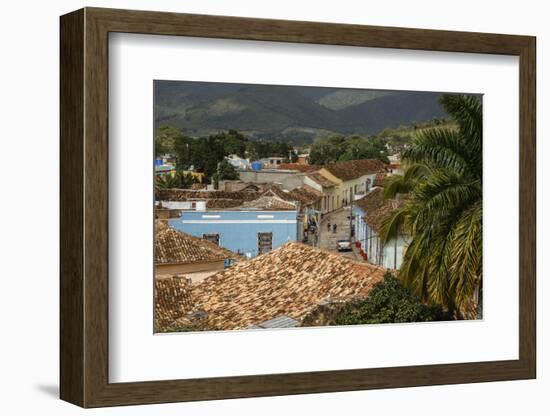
{"x": 343, "y": 245}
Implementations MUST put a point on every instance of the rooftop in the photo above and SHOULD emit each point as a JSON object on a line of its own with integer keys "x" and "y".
{"x": 353, "y": 169}
{"x": 299, "y": 167}
{"x": 176, "y": 247}
{"x": 376, "y": 207}
{"x": 321, "y": 180}
{"x": 173, "y": 298}
{"x": 304, "y": 195}
{"x": 220, "y": 203}
{"x": 289, "y": 281}
{"x": 269, "y": 203}
{"x": 191, "y": 195}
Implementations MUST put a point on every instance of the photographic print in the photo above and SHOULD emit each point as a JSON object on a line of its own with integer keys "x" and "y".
{"x": 293, "y": 206}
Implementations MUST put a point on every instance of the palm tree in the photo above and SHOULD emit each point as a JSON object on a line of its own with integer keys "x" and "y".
{"x": 442, "y": 213}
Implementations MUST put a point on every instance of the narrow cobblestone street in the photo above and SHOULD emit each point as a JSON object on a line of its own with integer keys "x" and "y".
{"x": 328, "y": 238}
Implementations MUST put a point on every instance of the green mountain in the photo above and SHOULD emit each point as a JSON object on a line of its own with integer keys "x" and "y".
{"x": 295, "y": 113}
{"x": 341, "y": 99}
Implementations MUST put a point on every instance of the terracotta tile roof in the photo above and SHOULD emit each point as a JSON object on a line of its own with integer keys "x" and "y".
{"x": 321, "y": 180}
{"x": 269, "y": 202}
{"x": 161, "y": 225}
{"x": 175, "y": 247}
{"x": 299, "y": 167}
{"x": 375, "y": 219}
{"x": 190, "y": 195}
{"x": 304, "y": 195}
{"x": 249, "y": 187}
{"x": 290, "y": 280}
{"x": 173, "y": 298}
{"x": 376, "y": 207}
{"x": 372, "y": 201}
{"x": 223, "y": 203}
{"x": 353, "y": 169}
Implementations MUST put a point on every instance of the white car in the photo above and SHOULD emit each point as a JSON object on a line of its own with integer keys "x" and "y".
{"x": 343, "y": 245}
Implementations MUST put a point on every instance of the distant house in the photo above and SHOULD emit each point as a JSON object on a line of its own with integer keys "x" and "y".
{"x": 276, "y": 290}
{"x": 303, "y": 159}
{"x": 369, "y": 212}
{"x": 177, "y": 253}
{"x": 306, "y": 198}
{"x": 164, "y": 170}
{"x": 199, "y": 176}
{"x": 195, "y": 205}
{"x": 324, "y": 185}
{"x": 395, "y": 166}
{"x": 353, "y": 179}
{"x": 289, "y": 178}
{"x": 238, "y": 185}
{"x": 272, "y": 162}
{"x": 166, "y": 159}
{"x": 201, "y": 199}
{"x": 238, "y": 162}
{"x": 249, "y": 230}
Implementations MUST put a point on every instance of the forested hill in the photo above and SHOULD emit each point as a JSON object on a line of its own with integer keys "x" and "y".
{"x": 298, "y": 114}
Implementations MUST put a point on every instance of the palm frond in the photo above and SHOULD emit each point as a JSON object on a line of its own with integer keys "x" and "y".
{"x": 443, "y": 210}
{"x": 466, "y": 110}
{"x": 392, "y": 225}
{"x": 467, "y": 255}
{"x": 440, "y": 148}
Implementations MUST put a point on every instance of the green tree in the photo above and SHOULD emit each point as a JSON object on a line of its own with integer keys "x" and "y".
{"x": 389, "y": 301}
{"x": 165, "y": 139}
{"x": 443, "y": 210}
{"x": 183, "y": 147}
{"x": 327, "y": 150}
{"x": 225, "y": 172}
{"x": 259, "y": 149}
{"x": 341, "y": 149}
{"x": 232, "y": 142}
{"x": 357, "y": 148}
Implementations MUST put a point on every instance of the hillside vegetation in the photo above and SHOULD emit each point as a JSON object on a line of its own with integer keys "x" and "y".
{"x": 296, "y": 114}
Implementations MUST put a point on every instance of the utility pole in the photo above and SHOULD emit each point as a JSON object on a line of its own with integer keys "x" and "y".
{"x": 351, "y": 216}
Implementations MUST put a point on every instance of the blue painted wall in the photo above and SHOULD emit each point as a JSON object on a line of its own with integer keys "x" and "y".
{"x": 238, "y": 230}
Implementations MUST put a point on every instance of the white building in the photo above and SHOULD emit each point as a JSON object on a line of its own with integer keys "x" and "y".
{"x": 369, "y": 213}
{"x": 238, "y": 162}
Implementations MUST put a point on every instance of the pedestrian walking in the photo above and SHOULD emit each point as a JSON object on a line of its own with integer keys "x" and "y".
{"x": 334, "y": 228}
{"x": 328, "y": 227}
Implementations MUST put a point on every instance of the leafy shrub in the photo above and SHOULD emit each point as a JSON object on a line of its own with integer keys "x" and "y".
{"x": 388, "y": 302}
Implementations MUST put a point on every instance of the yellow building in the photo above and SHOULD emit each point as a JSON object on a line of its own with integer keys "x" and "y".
{"x": 197, "y": 175}
{"x": 352, "y": 178}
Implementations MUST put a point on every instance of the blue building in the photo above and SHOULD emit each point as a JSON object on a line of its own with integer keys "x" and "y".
{"x": 248, "y": 232}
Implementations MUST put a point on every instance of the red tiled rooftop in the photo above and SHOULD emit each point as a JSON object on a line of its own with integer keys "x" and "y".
{"x": 353, "y": 169}
{"x": 290, "y": 280}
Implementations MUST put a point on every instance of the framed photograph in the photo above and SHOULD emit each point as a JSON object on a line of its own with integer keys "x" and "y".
{"x": 255, "y": 207}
